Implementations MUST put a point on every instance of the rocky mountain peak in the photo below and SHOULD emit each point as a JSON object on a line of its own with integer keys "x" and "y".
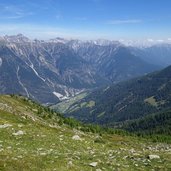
{"x": 16, "y": 38}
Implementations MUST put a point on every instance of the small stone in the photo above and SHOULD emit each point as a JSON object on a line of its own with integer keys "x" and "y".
{"x": 132, "y": 150}
{"x": 125, "y": 157}
{"x": 76, "y": 137}
{"x": 5, "y": 125}
{"x": 93, "y": 164}
{"x": 20, "y": 125}
{"x": 153, "y": 156}
{"x": 70, "y": 163}
{"x": 20, "y": 157}
{"x": 18, "y": 133}
{"x": 43, "y": 154}
{"x": 98, "y": 170}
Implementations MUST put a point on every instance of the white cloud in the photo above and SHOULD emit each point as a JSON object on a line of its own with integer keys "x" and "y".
{"x": 11, "y": 17}
{"x": 13, "y": 12}
{"x": 121, "y": 40}
{"x": 16, "y": 16}
{"x": 131, "y": 21}
{"x": 150, "y": 40}
{"x": 160, "y": 40}
{"x": 80, "y": 18}
{"x": 169, "y": 39}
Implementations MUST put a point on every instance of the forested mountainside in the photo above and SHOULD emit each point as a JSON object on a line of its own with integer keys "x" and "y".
{"x": 124, "y": 101}
{"x": 156, "y": 123}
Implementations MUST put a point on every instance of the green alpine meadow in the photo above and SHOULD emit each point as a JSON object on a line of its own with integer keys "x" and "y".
{"x": 33, "y": 137}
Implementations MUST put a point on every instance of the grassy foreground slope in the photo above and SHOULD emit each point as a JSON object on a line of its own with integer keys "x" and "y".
{"x": 32, "y": 138}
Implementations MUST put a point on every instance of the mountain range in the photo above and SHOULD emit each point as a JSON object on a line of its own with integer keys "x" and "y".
{"x": 55, "y": 70}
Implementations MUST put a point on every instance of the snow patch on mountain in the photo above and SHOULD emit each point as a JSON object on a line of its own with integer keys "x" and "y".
{"x": 60, "y": 96}
{"x": 57, "y": 94}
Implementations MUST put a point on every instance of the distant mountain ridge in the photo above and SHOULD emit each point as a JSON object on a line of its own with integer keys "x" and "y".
{"x": 159, "y": 54}
{"x": 49, "y": 71}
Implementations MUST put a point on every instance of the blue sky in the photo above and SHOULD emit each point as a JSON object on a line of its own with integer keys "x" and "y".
{"x": 87, "y": 19}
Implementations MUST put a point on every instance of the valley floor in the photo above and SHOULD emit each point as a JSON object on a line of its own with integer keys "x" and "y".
{"x": 28, "y": 142}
